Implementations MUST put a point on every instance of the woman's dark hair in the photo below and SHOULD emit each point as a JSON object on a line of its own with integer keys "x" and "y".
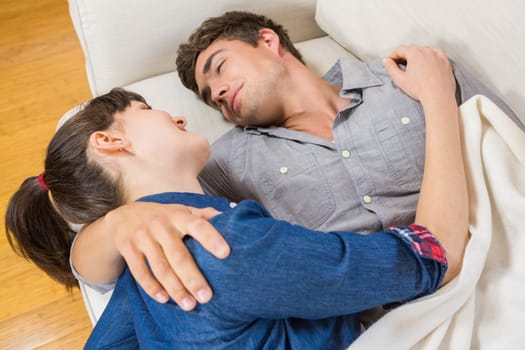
{"x": 232, "y": 25}
{"x": 80, "y": 191}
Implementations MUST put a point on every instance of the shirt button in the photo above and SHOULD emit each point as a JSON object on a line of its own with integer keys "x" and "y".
{"x": 405, "y": 120}
{"x": 233, "y": 205}
{"x": 345, "y": 153}
{"x": 283, "y": 170}
{"x": 367, "y": 199}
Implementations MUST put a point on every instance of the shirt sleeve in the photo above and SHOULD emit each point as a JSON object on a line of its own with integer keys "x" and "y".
{"x": 279, "y": 270}
{"x": 469, "y": 85}
{"x": 215, "y": 178}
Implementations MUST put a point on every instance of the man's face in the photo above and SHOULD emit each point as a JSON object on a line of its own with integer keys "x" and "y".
{"x": 241, "y": 81}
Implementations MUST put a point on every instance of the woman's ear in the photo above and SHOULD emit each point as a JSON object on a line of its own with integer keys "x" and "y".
{"x": 270, "y": 39}
{"x": 105, "y": 142}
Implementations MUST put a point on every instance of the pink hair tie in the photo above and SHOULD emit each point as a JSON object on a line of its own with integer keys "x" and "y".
{"x": 41, "y": 182}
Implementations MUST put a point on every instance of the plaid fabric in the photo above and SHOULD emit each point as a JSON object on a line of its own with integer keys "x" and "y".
{"x": 422, "y": 241}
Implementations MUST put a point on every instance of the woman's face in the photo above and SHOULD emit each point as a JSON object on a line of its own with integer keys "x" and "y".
{"x": 157, "y": 136}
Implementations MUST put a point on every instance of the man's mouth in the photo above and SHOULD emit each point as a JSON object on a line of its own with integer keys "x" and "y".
{"x": 234, "y": 102}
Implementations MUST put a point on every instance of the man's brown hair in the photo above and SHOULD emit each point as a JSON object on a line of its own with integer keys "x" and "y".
{"x": 233, "y": 25}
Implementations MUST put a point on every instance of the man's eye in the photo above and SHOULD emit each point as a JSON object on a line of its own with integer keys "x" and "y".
{"x": 220, "y": 66}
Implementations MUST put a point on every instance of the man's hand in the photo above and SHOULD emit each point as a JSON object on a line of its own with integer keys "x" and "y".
{"x": 151, "y": 233}
{"x": 428, "y": 73}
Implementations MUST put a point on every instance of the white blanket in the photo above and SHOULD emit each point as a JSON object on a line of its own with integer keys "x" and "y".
{"x": 484, "y": 306}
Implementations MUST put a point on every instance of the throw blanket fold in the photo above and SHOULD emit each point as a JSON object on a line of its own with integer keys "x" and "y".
{"x": 484, "y": 306}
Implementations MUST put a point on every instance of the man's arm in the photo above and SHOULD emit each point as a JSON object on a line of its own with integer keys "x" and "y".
{"x": 217, "y": 177}
{"x": 149, "y": 236}
{"x": 443, "y": 200}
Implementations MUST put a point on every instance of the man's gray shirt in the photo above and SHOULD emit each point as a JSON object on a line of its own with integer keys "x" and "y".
{"x": 367, "y": 179}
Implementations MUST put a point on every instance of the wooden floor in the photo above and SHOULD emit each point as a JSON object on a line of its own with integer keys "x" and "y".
{"x": 41, "y": 76}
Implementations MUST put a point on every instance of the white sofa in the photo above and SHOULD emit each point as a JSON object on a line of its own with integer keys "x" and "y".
{"x": 133, "y": 44}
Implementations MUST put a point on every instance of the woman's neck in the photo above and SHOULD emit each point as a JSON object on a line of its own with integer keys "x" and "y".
{"x": 151, "y": 181}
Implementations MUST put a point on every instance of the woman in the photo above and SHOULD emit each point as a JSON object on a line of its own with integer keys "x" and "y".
{"x": 282, "y": 286}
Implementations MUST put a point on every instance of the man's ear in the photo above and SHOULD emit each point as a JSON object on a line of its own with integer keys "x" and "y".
{"x": 105, "y": 142}
{"x": 270, "y": 39}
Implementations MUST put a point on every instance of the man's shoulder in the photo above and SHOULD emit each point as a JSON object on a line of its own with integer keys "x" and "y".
{"x": 237, "y": 137}
{"x": 222, "y": 148}
{"x": 226, "y": 140}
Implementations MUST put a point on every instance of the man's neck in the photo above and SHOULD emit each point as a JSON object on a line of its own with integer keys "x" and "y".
{"x": 318, "y": 110}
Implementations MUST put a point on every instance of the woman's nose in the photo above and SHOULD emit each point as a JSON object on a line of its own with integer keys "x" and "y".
{"x": 180, "y": 120}
{"x": 219, "y": 94}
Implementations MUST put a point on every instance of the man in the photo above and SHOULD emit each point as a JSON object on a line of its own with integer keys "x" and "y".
{"x": 341, "y": 153}
{"x": 357, "y": 151}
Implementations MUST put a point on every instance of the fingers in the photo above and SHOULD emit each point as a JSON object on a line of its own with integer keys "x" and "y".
{"x": 427, "y": 72}
{"x": 400, "y": 53}
{"x": 172, "y": 269}
{"x": 162, "y": 265}
{"x": 205, "y": 213}
{"x": 136, "y": 262}
{"x": 206, "y": 234}
{"x": 151, "y": 242}
{"x": 182, "y": 277}
{"x": 170, "y": 260}
{"x": 145, "y": 279}
{"x": 403, "y": 52}
{"x": 393, "y": 70}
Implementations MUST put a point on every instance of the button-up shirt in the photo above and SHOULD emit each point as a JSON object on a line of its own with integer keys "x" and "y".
{"x": 282, "y": 287}
{"x": 367, "y": 179}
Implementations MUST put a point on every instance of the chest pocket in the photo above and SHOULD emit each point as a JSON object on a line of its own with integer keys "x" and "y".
{"x": 389, "y": 136}
{"x": 401, "y": 140}
{"x": 292, "y": 185}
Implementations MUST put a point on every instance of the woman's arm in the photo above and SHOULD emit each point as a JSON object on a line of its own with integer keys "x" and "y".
{"x": 443, "y": 200}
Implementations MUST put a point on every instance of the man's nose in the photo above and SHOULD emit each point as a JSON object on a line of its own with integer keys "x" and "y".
{"x": 219, "y": 94}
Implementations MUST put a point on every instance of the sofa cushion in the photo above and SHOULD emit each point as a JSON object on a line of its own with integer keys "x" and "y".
{"x": 485, "y": 37}
{"x": 127, "y": 41}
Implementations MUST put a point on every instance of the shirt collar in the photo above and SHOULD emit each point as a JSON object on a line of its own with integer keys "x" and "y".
{"x": 186, "y": 198}
{"x": 352, "y": 75}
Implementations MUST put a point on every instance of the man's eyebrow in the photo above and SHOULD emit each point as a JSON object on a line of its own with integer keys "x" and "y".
{"x": 207, "y": 64}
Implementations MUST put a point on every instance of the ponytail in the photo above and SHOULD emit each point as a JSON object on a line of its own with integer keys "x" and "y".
{"x": 73, "y": 187}
{"x": 30, "y": 220}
